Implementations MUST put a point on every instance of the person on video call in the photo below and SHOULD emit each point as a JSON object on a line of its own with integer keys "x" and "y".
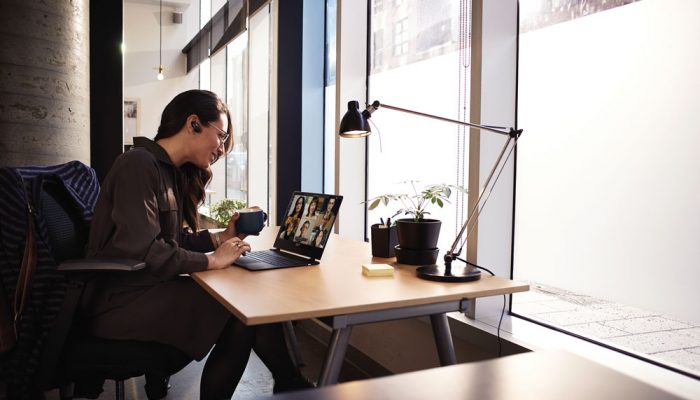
{"x": 298, "y": 210}
{"x": 304, "y": 232}
{"x": 313, "y": 206}
{"x": 330, "y": 205}
{"x": 318, "y": 238}
{"x": 324, "y": 222}
{"x": 289, "y": 229}
{"x": 147, "y": 196}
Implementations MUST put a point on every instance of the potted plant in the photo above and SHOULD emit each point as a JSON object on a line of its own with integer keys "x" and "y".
{"x": 417, "y": 235}
{"x": 223, "y": 210}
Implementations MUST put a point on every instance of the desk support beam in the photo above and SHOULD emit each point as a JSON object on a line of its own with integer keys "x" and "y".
{"x": 368, "y": 317}
{"x": 443, "y": 339}
{"x": 335, "y": 356}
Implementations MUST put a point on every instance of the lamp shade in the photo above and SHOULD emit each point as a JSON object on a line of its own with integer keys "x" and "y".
{"x": 354, "y": 124}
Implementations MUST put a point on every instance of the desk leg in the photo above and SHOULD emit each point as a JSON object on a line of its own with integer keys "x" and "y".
{"x": 335, "y": 356}
{"x": 443, "y": 339}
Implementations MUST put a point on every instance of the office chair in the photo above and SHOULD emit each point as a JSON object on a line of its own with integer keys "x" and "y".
{"x": 85, "y": 359}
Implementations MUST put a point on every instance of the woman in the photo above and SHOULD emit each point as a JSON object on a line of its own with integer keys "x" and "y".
{"x": 318, "y": 239}
{"x": 298, "y": 210}
{"x": 290, "y": 227}
{"x": 147, "y": 195}
{"x": 313, "y": 205}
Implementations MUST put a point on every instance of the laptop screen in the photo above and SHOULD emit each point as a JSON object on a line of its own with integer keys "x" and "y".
{"x": 307, "y": 223}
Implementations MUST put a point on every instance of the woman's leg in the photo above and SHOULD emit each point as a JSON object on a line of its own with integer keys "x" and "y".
{"x": 227, "y": 361}
{"x": 271, "y": 347}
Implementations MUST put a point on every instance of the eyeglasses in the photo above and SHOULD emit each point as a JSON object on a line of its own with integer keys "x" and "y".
{"x": 223, "y": 135}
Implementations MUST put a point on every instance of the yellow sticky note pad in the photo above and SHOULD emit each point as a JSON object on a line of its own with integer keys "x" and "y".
{"x": 377, "y": 270}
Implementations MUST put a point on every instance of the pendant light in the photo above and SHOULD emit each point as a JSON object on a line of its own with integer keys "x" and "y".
{"x": 160, "y": 75}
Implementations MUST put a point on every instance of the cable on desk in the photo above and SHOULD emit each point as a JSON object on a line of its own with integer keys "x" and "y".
{"x": 498, "y": 330}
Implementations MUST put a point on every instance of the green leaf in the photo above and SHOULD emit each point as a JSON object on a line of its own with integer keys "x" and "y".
{"x": 375, "y": 203}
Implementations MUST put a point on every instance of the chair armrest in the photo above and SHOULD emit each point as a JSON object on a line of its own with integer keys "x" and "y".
{"x": 101, "y": 265}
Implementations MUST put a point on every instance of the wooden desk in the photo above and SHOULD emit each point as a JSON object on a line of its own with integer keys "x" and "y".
{"x": 336, "y": 288}
{"x": 542, "y": 375}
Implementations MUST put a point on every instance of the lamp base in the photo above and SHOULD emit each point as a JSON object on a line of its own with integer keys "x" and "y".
{"x": 457, "y": 273}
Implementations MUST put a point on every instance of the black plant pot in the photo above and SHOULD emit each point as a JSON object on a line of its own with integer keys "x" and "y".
{"x": 417, "y": 241}
{"x": 418, "y": 235}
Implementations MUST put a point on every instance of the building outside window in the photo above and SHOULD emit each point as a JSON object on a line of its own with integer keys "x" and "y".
{"x": 401, "y": 37}
{"x": 410, "y": 148}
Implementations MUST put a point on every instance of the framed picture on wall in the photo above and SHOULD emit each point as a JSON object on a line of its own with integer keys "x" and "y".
{"x": 131, "y": 120}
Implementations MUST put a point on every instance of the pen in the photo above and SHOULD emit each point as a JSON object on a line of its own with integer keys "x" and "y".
{"x": 381, "y": 220}
{"x": 388, "y": 222}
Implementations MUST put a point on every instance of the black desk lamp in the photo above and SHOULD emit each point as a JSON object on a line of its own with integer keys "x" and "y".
{"x": 355, "y": 124}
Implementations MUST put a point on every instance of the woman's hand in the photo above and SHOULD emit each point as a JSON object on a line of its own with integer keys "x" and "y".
{"x": 227, "y": 253}
{"x": 230, "y": 231}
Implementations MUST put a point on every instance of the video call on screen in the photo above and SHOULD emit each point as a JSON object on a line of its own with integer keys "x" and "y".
{"x": 309, "y": 220}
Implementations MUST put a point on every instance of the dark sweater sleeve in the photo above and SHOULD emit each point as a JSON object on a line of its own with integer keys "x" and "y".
{"x": 134, "y": 190}
{"x": 197, "y": 241}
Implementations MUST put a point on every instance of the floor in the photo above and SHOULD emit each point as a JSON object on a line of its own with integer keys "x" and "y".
{"x": 255, "y": 383}
{"x": 658, "y": 337}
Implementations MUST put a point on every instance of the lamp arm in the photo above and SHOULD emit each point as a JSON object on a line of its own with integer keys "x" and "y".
{"x": 451, "y": 255}
{"x": 495, "y": 129}
{"x": 512, "y": 134}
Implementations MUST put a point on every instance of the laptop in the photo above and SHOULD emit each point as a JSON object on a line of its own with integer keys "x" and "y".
{"x": 303, "y": 235}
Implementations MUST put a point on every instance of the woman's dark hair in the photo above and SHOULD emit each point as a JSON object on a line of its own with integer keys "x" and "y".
{"x": 208, "y": 107}
{"x": 298, "y": 214}
{"x": 313, "y": 200}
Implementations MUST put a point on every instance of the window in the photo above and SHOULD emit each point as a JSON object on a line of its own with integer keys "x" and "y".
{"x": 377, "y": 48}
{"x": 607, "y": 217}
{"x": 229, "y": 73}
{"x": 236, "y": 95}
{"x": 410, "y": 148}
{"x": 378, "y": 6}
{"x": 329, "y": 99}
{"x": 205, "y": 12}
{"x": 401, "y": 37}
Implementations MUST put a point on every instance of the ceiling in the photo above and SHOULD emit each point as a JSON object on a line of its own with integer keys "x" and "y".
{"x": 177, "y": 4}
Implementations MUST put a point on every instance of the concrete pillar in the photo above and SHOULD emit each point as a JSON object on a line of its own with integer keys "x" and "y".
{"x": 44, "y": 82}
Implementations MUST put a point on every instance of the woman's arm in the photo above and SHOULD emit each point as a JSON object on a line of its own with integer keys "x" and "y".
{"x": 134, "y": 187}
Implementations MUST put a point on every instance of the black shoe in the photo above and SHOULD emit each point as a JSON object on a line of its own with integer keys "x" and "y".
{"x": 88, "y": 388}
{"x": 299, "y": 382}
{"x": 156, "y": 386}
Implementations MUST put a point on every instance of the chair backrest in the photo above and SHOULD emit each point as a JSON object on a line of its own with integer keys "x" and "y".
{"x": 47, "y": 188}
{"x": 67, "y": 230}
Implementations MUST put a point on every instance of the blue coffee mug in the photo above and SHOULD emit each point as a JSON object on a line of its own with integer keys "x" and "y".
{"x": 251, "y": 221}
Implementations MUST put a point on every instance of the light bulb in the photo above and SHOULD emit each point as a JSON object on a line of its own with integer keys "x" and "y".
{"x": 160, "y": 75}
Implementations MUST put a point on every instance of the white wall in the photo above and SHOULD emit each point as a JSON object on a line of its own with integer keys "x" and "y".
{"x": 351, "y": 55}
{"x": 141, "y": 37}
{"x": 607, "y": 191}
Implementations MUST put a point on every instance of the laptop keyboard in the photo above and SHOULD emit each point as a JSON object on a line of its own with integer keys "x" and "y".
{"x": 273, "y": 258}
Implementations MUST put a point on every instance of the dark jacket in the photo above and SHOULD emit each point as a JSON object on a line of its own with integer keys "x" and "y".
{"x": 19, "y": 367}
{"x": 139, "y": 216}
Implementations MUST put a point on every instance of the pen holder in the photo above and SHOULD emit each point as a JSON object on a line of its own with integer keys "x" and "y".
{"x": 383, "y": 241}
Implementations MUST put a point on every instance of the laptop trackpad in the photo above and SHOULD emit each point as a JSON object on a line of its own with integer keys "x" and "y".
{"x": 251, "y": 264}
